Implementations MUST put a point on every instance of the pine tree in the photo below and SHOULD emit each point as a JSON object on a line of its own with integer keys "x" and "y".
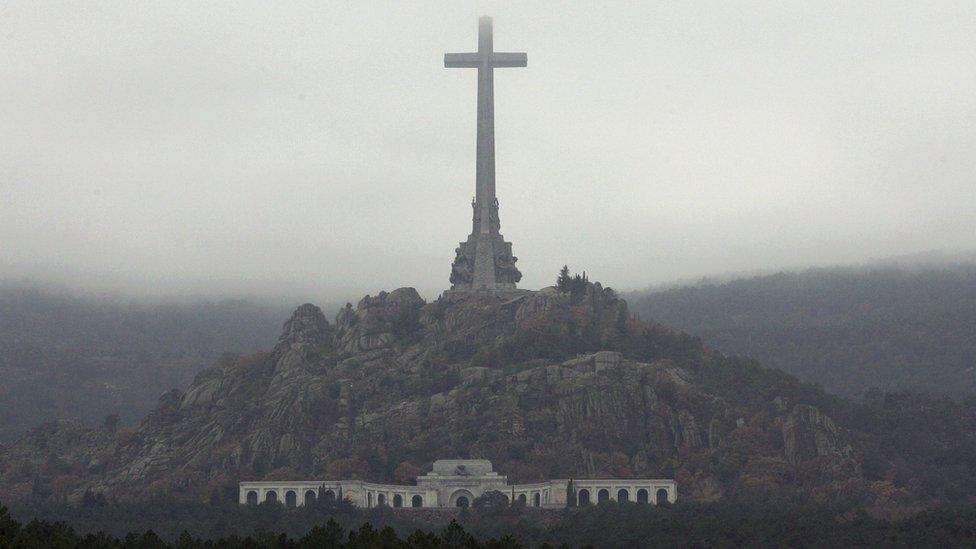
{"x": 564, "y": 281}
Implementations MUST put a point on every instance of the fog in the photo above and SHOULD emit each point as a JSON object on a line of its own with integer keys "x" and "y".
{"x": 322, "y": 150}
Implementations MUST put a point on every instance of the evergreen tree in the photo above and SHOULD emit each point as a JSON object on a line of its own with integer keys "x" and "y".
{"x": 564, "y": 280}
{"x": 330, "y": 535}
{"x": 8, "y": 526}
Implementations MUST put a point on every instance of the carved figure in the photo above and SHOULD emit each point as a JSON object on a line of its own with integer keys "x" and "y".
{"x": 505, "y": 269}
{"x": 462, "y": 271}
{"x": 494, "y": 224}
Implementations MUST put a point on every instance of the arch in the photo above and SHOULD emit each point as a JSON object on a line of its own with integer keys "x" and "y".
{"x": 369, "y": 499}
{"x": 291, "y": 499}
{"x": 329, "y": 497}
{"x": 252, "y": 497}
{"x": 271, "y": 497}
{"x": 583, "y": 497}
{"x": 380, "y": 500}
{"x": 397, "y": 500}
{"x": 461, "y": 498}
{"x": 521, "y": 499}
{"x": 310, "y": 497}
{"x": 642, "y": 496}
{"x": 603, "y": 495}
{"x": 623, "y": 495}
{"x": 662, "y": 496}
{"x": 537, "y": 500}
{"x": 416, "y": 501}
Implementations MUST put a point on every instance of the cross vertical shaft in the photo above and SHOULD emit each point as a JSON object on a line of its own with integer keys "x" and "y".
{"x": 485, "y": 168}
{"x": 485, "y": 261}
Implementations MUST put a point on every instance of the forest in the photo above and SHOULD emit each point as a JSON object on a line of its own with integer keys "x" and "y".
{"x": 887, "y": 329}
{"x": 727, "y": 524}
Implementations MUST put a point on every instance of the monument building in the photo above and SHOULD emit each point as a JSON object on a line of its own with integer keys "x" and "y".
{"x": 458, "y": 483}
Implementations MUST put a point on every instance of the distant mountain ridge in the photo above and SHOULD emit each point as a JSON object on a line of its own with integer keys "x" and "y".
{"x": 910, "y": 325}
{"x": 65, "y": 356}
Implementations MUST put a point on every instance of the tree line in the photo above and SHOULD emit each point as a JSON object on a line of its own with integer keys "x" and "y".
{"x": 609, "y": 524}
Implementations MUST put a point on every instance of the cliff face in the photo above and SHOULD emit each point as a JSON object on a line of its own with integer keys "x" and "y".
{"x": 545, "y": 385}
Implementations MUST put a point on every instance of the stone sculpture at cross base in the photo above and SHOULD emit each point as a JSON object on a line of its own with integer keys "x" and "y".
{"x": 496, "y": 256}
{"x": 484, "y": 262}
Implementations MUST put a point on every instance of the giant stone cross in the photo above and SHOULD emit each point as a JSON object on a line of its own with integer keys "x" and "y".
{"x": 485, "y": 262}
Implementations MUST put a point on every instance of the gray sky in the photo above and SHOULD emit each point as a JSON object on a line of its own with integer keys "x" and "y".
{"x": 322, "y": 150}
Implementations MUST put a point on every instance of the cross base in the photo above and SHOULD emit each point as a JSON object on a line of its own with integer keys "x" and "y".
{"x": 484, "y": 263}
{"x": 496, "y": 294}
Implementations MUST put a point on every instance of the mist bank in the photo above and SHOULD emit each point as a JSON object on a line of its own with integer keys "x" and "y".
{"x": 287, "y": 288}
{"x": 893, "y": 325}
{"x": 89, "y": 357}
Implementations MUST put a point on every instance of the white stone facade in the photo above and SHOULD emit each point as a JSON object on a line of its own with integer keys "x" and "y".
{"x": 457, "y": 483}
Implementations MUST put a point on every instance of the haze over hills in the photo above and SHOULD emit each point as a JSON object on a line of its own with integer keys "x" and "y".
{"x": 66, "y": 355}
{"x": 894, "y": 325}
{"x": 552, "y": 384}
{"x": 556, "y": 383}
{"x": 73, "y": 355}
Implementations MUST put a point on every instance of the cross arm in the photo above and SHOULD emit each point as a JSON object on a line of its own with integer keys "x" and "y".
{"x": 462, "y": 60}
{"x": 499, "y": 59}
{"x": 473, "y": 60}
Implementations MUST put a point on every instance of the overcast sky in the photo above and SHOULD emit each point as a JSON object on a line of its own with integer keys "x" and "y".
{"x": 320, "y": 150}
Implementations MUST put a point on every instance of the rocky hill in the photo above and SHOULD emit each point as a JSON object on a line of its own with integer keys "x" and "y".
{"x": 544, "y": 384}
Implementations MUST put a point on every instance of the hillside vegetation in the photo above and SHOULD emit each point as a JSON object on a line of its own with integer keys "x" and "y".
{"x": 849, "y": 330}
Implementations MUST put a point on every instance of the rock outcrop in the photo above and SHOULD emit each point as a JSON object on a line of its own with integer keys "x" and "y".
{"x": 808, "y": 435}
{"x": 377, "y": 321}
